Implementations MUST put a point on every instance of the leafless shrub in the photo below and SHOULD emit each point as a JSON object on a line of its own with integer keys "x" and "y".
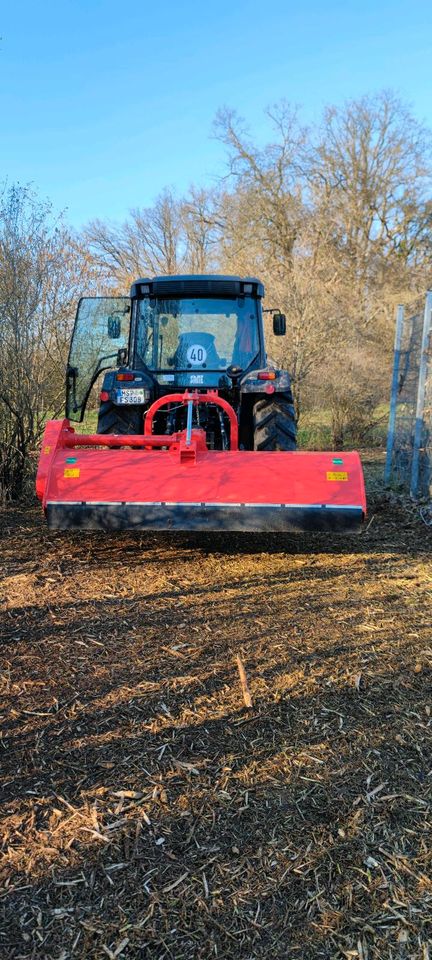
{"x": 41, "y": 273}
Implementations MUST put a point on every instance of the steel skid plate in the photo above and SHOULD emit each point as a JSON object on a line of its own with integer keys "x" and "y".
{"x": 116, "y": 487}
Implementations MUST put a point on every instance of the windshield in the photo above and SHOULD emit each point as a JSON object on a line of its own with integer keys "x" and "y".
{"x": 200, "y": 334}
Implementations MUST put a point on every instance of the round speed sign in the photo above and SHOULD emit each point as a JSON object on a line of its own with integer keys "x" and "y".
{"x": 196, "y": 354}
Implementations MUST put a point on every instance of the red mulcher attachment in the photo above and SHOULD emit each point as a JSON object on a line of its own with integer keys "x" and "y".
{"x": 151, "y": 482}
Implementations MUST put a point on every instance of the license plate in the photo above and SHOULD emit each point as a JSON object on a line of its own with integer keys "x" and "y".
{"x": 130, "y": 396}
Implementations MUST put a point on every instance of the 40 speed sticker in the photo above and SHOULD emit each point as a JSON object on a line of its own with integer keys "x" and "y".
{"x": 196, "y": 354}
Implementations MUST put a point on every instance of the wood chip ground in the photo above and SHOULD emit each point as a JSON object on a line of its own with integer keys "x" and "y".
{"x": 147, "y": 812}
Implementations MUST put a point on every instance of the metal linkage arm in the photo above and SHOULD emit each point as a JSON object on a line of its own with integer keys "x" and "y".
{"x": 184, "y": 398}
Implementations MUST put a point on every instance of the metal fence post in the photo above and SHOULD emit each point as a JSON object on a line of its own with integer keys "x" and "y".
{"x": 418, "y": 433}
{"x": 394, "y": 392}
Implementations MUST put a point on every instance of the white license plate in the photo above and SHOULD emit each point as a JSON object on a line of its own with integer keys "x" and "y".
{"x": 130, "y": 396}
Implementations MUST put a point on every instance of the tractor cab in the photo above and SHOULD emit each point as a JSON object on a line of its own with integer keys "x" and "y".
{"x": 181, "y": 331}
{"x": 192, "y": 341}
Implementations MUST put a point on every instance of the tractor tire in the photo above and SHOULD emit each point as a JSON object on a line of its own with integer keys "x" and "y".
{"x": 122, "y": 420}
{"x": 274, "y": 423}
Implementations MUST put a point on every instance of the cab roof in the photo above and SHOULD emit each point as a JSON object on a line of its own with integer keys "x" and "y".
{"x": 197, "y": 285}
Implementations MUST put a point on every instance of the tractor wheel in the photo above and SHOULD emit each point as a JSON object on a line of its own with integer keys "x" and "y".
{"x": 274, "y": 423}
{"x": 123, "y": 420}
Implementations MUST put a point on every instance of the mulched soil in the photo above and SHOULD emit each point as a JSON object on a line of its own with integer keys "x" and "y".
{"x": 147, "y": 813}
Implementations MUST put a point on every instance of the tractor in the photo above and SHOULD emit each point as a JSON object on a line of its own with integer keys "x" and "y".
{"x": 196, "y": 429}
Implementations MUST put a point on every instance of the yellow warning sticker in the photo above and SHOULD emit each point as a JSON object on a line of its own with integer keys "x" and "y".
{"x": 337, "y": 475}
{"x": 71, "y": 472}
{"x": 47, "y": 449}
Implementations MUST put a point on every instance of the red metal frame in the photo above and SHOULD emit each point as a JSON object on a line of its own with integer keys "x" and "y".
{"x": 149, "y": 440}
{"x": 211, "y": 397}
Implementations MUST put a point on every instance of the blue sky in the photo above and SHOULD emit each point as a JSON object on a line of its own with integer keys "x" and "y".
{"x": 102, "y": 104}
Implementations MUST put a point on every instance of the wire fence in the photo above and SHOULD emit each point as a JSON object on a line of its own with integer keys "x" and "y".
{"x": 409, "y": 439}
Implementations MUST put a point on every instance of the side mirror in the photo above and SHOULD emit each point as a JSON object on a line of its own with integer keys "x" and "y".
{"x": 279, "y": 324}
{"x": 114, "y": 328}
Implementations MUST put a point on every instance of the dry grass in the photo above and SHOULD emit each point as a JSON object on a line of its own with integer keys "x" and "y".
{"x": 147, "y": 813}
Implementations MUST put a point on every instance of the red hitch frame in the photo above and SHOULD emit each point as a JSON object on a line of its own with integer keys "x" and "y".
{"x": 196, "y": 398}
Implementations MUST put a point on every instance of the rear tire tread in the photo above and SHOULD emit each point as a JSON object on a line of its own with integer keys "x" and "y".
{"x": 275, "y": 423}
{"x": 112, "y": 419}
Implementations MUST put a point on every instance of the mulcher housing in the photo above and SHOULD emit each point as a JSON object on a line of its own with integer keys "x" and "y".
{"x": 196, "y": 430}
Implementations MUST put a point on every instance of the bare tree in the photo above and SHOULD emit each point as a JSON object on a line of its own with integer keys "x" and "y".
{"x": 42, "y": 273}
{"x": 202, "y": 229}
{"x": 272, "y": 178}
{"x": 371, "y": 169}
{"x": 338, "y": 224}
{"x": 150, "y": 242}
